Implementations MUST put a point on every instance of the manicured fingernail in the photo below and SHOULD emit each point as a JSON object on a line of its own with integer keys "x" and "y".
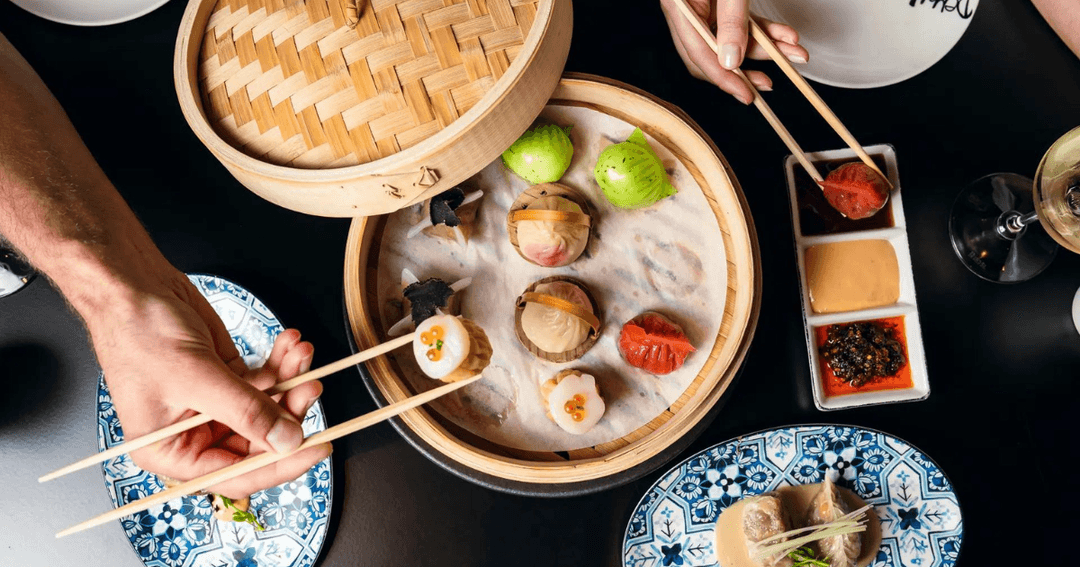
{"x": 286, "y": 434}
{"x": 729, "y": 56}
{"x": 797, "y": 59}
{"x": 766, "y": 88}
{"x": 743, "y": 99}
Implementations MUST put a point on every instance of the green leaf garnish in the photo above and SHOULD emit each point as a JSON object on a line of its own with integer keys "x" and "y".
{"x": 241, "y": 515}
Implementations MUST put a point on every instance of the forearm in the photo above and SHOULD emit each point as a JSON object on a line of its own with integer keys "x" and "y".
{"x": 1063, "y": 16}
{"x": 56, "y": 205}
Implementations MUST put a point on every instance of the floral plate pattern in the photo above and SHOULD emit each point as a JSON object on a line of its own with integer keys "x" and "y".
{"x": 921, "y": 524}
{"x": 183, "y": 532}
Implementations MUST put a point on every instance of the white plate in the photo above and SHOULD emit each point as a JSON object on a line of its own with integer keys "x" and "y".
{"x": 863, "y": 44}
{"x": 904, "y": 307}
{"x": 90, "y": 12}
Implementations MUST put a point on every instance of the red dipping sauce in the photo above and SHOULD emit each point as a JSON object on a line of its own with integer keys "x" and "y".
{"x": 833, "y": 385}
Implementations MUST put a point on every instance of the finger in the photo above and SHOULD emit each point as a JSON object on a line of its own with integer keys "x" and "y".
{"x": 212, "y": 389}
{"x": 285, "y": 470}
{"x": 292, "y": 364}
{"x": 700, "y": 55}
{"x": 778, "y": 31}
{"x": 760, "y": 80}
{"x": 794, "y": 53}
{"x": 300, "y": 399}
{"x": 283, "y": 353}
{"x": 731, "y": 31}
{"x": 285, "y": 341}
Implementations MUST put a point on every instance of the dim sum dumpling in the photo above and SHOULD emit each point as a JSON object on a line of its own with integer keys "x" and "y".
{"x": 553, "y": 330}
{"x": 828, "y": 506}
{"x": 573, "y": 401}
{"x": 552, "y": 243}
{"x": 451, "y": 348}
{"x": 764, "y": 517}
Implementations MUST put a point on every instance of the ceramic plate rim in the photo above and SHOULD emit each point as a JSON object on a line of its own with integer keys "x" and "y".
{"x": 874, "y": 84}
{"x": 34, "y": 9}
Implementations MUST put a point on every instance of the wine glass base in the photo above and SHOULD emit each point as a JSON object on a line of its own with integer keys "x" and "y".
{"x": 978, "y": 236}
{"x": 15, "y": 274}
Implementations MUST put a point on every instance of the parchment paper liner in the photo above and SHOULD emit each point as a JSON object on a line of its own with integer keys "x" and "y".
{"x": 565, "y": 356}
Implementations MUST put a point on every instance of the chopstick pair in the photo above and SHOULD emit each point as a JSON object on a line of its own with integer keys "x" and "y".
{"x": 815, "y": 100}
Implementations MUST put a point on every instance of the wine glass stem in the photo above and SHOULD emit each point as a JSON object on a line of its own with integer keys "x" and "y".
{"x": 1017, "y": 223}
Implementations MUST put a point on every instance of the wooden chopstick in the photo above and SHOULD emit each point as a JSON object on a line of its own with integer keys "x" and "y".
{"x": 759, "y": 102}
{"x": 197, "y": 420}
{"x": 261, "y": 460}
{"x": 811, "y": 95}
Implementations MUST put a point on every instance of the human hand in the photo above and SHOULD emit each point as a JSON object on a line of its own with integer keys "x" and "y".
{"x": 730, "y": 20}
{"x": 166, "y": 356}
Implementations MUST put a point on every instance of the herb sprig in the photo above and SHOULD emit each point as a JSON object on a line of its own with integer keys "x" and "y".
{"x": 805, "y": 557}
{"x": 241, "y": 515}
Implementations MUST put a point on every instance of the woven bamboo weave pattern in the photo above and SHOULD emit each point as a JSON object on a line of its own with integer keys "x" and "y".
{"x": 290, "y": 83}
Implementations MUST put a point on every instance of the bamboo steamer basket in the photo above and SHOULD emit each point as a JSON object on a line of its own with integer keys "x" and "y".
{"x": 343, "y": 108}
{"x": 550, "y": 473}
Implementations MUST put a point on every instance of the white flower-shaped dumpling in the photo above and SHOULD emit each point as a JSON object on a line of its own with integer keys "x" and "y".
{"x": 441, "y": 345}
{"x": 575, "y": 403}
{"x": 552, "y": 243}
{"x": 551, "y": 329}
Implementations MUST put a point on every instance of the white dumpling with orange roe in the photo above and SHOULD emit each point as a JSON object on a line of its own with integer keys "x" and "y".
{"x": 552, "y": 243}
{"x": 574, "y": 401}
{"x": 451, "y": 348}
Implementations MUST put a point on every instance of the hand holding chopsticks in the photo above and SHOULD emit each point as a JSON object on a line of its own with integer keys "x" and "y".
{"x": 197, "y": 420}
{"x": 264, "y": 459}
{"x": 766, "y": 43}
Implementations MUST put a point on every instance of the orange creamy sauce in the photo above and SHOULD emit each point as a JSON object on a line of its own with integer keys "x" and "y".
{"x": 832, "y": 385}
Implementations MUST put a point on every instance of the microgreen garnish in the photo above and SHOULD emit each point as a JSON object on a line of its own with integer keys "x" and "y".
{"x": 241, "y": 515}
{"x": 438, "y": 344}
{"x": 805, "y": 557}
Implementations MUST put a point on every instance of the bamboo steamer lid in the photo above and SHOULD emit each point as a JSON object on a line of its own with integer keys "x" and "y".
{"x": 590, "y": 468}
{"x": 361, "y": 107}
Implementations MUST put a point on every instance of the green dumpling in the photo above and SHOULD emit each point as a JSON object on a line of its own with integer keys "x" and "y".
{"x": 631, "y": 174}
{"x": 540, "y": 155}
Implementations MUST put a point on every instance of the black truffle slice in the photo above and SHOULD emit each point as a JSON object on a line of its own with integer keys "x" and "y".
{"x": 443, "y": 206}
{"x": 427, "y": 296}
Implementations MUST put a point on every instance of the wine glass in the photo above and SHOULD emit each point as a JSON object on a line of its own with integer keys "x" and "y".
{"x": 992, "y": 224}
{"x": 14, "y": 272}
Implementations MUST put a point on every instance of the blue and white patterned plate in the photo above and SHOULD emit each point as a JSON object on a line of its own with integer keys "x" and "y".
{"x": 675, "y": 522}
{"x": 183, "y": 532}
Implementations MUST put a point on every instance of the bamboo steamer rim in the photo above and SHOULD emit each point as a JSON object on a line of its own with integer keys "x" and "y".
{"x": 528, "y": 196}
{"x": 565, "y": 356}
{"x": 660, "y": 120}
{"x": 184, "y": 65}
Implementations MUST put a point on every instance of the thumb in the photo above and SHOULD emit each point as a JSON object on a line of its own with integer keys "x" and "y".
{"x": 216, "y": 391}
{"x": 731, "y": 31}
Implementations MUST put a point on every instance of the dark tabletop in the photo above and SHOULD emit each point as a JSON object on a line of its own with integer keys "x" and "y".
{"x": 1002, "y": 359}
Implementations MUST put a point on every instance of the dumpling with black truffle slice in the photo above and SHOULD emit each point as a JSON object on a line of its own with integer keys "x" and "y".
{"x": 573, "y": 401}
{"x": 828, "y": 506}
{"x": 450, "y": 215}
{"x": 764, "y": 517}
{"x": 423, "y": 299}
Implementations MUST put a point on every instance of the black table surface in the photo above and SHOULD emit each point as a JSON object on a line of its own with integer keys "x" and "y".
{"x": 1002, "y": 359}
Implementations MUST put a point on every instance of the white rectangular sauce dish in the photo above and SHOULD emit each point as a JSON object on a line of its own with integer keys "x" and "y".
{"x": 905, "y": 306}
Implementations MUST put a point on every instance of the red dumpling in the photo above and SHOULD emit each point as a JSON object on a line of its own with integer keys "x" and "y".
{"x": 654, "y": 343}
